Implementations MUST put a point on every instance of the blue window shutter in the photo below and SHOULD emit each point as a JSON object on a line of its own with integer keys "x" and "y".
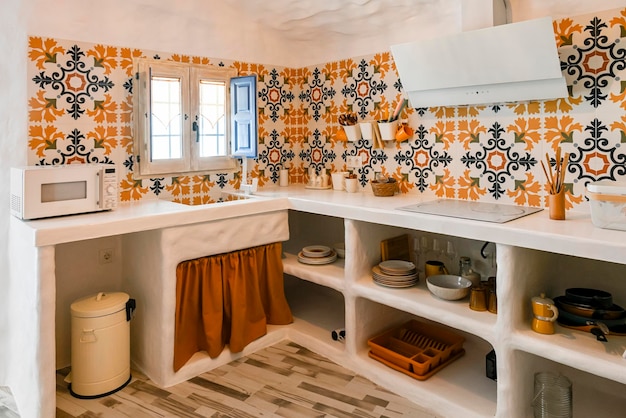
{"x": 244, "y": 116}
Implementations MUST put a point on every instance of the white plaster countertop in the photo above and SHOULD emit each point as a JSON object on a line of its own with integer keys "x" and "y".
{"x": 574, "y": 236}
{"x": 144, "y": 216}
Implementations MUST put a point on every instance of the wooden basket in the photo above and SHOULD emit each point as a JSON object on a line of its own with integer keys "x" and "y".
{"x": 384, "y": 189}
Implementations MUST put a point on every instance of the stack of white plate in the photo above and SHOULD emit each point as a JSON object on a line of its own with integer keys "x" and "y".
{"x": 395, "y": 273}
{"x": 317, "y": 254}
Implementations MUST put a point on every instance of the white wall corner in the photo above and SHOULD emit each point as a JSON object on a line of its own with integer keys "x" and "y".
{"x": 479, "y": 14}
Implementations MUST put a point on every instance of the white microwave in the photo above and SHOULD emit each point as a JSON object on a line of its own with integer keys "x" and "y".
{"x": 45, "y": 191}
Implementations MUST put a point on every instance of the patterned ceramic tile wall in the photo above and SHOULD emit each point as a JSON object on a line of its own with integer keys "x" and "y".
{"x": 80, "y": 111}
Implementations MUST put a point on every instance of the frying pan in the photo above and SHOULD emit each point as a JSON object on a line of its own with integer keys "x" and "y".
{"x": 569, "y": 320}
{"x": 586, "y": 311}
{"x": 590, "y": 297}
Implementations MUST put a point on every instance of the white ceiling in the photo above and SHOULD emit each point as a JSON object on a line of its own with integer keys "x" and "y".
{"x": 316, "y": 31}
{"x": 291, "y": 33}
{"x": 300, "y": 20}
{"x": 324, "y": 30}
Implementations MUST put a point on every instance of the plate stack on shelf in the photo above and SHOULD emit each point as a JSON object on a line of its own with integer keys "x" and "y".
{"x": 317, "y": 255}
{"x": 395, "y": 273}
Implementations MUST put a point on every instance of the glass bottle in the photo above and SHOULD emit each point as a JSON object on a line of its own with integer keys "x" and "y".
{"x": 465, "y": 270}
{"x": 465, "y": 266}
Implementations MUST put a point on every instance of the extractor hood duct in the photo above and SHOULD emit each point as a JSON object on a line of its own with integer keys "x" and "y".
{"x": 507, "y": 63}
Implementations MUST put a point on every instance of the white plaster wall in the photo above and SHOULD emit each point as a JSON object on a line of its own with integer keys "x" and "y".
{"x": 557, "y": 9}
{"x": 12, "y": 135}
{"x": 208, "y": 28}
{"x": 80, "y": 273}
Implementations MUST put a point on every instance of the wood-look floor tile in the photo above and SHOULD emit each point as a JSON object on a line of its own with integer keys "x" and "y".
{"x": 340, "y": 397}
{"x": 216, "y": 387}
{"x": 285, "y": 380}
{"x": 291, "y": 410}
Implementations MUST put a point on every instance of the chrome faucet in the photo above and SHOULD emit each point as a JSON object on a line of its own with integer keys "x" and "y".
{"x": 245, "y": 187}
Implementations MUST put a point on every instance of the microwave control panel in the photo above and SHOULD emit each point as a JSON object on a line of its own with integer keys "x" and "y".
{"x": 108, "y": 188}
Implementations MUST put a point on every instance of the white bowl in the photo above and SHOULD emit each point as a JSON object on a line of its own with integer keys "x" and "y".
{"x": 340, "y": 249}
{"x": 448, "y": 286}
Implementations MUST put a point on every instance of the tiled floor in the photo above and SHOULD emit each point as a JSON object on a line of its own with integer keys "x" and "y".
{"x": 285, "y": 380}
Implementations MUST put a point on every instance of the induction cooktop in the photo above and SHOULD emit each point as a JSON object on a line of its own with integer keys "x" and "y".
{"x": 478, "y": 211}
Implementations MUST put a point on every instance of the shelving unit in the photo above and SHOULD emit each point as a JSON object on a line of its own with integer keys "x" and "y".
{"x": 533, "y": 255}
{"x": 372, "y": 309}
{"x": 462, "y": 388}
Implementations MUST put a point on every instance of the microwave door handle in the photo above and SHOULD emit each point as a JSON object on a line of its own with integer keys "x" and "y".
{"x": 98, "y": 194}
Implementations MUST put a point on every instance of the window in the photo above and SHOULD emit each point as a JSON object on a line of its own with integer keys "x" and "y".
{"x": 192, "y": 118}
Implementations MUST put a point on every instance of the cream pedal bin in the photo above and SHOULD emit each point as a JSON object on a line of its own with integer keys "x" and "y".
{"x": 100, "y": 344}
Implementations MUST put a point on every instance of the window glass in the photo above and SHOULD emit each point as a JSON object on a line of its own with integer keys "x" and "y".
{"x": 166, "y": 118}
{"x": 212, "y": 119}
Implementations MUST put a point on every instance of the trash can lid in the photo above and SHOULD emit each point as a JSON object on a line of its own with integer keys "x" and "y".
{"x": 99, "y": 304}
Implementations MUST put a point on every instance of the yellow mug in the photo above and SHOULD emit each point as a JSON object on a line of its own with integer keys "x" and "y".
{"x": 434, "y": 267}
{"x": 404, "y": 132}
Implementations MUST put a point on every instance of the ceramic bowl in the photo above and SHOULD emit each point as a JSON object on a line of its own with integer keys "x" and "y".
{"x": 448, "y": 286}
{"x": 340, "y": 248}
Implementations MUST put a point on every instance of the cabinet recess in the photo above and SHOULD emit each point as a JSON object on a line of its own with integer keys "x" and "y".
{"x": 462, "y": 388}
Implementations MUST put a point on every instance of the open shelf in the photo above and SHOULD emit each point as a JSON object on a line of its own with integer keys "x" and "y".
{"x": 312, "y": 229}
{"x": 474, "y": 393}
{"x": 319, "y": 310}
{"x": 419, "y": 301}
{"x": 593, "y": 396}
{"x": 330, "y": 275}
{"x": 575, "y": 348}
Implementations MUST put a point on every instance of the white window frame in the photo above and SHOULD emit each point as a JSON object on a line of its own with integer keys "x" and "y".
{"x": 190, "y": 76}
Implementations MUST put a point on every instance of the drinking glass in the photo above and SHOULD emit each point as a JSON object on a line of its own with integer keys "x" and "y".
{"x": 553, "y": 396}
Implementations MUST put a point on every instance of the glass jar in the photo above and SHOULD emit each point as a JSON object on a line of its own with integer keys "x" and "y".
{"x": 465, "y": 270}
{"x": 465, "y": 266}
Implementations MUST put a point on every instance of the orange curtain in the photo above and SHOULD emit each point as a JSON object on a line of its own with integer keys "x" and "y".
{"x": 228, "y": 299}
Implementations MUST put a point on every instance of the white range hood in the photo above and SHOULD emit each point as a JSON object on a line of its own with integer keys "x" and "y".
{"x": 507, "y": 63}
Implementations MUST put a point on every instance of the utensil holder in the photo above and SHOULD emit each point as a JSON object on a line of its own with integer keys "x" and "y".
{"x": 556, "y": 205}
{"x": 366, "y": 130}
{"x": 353, "y": 132}
{"x": 388, "y": 130}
